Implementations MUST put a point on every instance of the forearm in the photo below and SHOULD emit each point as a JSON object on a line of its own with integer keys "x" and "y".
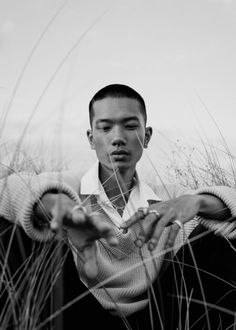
{"x": 218, "y": 210}
{"x": 19, "y": 194}
{"x": 44, "y": 208}
{"x": 212, "y": 207}
{"x": 42, "y": 215}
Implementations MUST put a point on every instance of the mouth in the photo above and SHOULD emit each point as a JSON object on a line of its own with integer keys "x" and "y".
{"x": 119, "y": 154}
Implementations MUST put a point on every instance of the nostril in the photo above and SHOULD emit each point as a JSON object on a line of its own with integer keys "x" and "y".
{"x": 118, "y": 142}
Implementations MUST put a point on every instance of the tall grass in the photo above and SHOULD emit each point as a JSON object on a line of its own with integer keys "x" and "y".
{"x": 201, "y": 166}
{"x": 28, "y": 292}
{"x": 31, "y": 294}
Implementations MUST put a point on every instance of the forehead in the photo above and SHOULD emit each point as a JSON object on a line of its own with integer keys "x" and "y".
{"x": 113, "y": 108}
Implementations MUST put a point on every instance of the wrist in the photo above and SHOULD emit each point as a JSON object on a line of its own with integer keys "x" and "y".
{"x": 202, "y": 204}
{"x": 42, "y": 215}
{"x": 212, "y": 207}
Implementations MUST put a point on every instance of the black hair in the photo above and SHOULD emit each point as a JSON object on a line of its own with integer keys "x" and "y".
{"x": 117, "y": 91}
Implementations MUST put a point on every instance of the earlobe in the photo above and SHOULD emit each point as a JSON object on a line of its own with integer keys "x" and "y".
{"x": 90, "y": 138}
{"x": 148, "y": 135}
{"x": 145, "y": 143}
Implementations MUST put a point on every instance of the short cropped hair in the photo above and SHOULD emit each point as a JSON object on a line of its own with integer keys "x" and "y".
{"x": 117, "y": 91}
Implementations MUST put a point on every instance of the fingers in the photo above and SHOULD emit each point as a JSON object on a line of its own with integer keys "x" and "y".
{"x": 90, "y": 261}
{"x": 90, "y": 226}
{"x": 176, "y": 226}
{"x": 152, "y": 226}
{"x": 63, "y": 217}
{"x": 104, "y": 229}
{"x": 57, "y": 219}
{"x": 94, "y": 223}
{"x": 147, "y": 227}
{"x": 149, "y": 219}
{"x": 135, "y": 218}
{"x": 77, "y": 216}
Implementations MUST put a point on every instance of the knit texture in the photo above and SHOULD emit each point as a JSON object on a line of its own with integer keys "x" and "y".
{"x": 124, "y": 272}
{"x": 20, "y": 192}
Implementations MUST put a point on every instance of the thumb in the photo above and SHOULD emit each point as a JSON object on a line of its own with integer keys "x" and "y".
{"x": 90, "y": 260}
{"x": 56, "y": 222}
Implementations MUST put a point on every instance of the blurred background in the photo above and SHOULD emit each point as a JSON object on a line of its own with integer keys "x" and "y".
{"x": 178, "y": 54}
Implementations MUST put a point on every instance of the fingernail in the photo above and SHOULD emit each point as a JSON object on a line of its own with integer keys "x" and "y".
{"x": 139, "y": 242}
{"x": 54, "y": 227}
{"x": 114, "y": 241}
{"x": 124, "y": 230}
{"x": 168, "y": 245}
{"x": 151, "y": 246}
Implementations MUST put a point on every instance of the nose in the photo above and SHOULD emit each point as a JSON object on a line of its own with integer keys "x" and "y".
{"x": 118, "y": 138}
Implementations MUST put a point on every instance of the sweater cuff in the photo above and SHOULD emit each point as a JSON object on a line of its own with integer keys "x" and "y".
{"x": 227, "y": 195}
{"x": 43, "y": 233}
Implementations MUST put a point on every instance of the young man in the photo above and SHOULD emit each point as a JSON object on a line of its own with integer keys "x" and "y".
{"x": 118, "y": 227}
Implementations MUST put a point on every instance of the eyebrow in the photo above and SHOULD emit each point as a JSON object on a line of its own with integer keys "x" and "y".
{"x": 123, "y": 120}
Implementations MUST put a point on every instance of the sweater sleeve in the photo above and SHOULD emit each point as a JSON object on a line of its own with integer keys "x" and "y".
{"x": 19, "y": 193}
{"x": 225, "y": 228}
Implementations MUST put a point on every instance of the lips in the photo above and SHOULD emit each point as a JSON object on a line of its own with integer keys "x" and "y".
{"x": 119, "y": 153}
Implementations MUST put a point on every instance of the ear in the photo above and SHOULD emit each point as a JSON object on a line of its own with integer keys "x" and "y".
{"x": 90, "y": 138}
{"x": 148, "y": 135}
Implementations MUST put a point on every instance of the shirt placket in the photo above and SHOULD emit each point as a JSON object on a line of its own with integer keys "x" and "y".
{"x": 107, "y": 207}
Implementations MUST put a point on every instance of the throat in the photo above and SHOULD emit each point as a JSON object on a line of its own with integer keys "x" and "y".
{"x": 119, "y": 203}
{"x": 119, "y": 196}
{"x": 117, "y": 187}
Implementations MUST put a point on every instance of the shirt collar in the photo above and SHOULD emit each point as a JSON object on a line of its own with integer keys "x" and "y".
{"x": 91, "y": 185}
{"x": 147, "y": 193}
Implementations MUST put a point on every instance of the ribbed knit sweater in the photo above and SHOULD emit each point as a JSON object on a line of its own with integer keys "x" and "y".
{"x": 124, "y": 272}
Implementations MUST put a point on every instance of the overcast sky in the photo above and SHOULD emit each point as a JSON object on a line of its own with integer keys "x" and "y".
{"x": 179, "y": 54}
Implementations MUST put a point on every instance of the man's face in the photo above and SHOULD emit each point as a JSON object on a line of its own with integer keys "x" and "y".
{"x": 118, "y": 132}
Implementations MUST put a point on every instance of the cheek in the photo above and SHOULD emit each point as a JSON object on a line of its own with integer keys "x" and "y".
{"x": 137, "y": 147}
{"x": 138, "y": 140}
{"x": 100, "y": 145}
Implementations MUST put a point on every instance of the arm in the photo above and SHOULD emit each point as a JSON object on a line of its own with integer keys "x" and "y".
{"x": 25, "y": 199}
{"x": 19, "y": 193}
{"x": 215, "y": 204}
{"x": 205, "y": 205}
{"x": 60, "y": 213}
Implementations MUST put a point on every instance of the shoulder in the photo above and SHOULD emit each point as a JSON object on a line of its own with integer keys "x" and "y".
{"x": 29, "y": 179}
{"x": 72, "y": 178}
{"x": 167, "y": 190}
{"x": 162, "y": 188}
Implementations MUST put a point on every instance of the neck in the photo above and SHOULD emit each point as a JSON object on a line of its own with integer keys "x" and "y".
{"x": 116, "y": 183}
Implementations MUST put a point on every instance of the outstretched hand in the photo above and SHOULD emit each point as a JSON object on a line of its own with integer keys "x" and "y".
{"x": 83, "y": 228}
{"x": 156, "y": 217}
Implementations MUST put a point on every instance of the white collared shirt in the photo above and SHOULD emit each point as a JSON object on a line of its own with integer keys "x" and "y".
{"x": 139, "y": 196}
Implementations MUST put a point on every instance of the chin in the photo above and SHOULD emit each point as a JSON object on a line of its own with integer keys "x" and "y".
{"x": 121, "y": 166}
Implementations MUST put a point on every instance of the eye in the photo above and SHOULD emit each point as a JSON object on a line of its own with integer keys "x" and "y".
{"x": 105, "y": 128}
{"x": 131, "y": 126}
